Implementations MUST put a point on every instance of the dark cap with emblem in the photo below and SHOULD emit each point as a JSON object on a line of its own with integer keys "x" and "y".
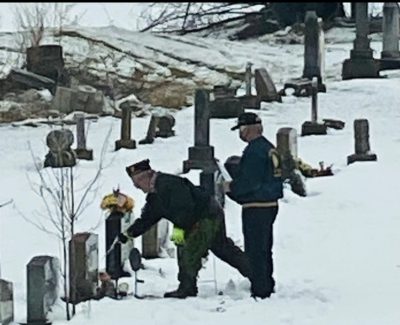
{"x": 137, "y": 168}
{"x": 247, "y": 119}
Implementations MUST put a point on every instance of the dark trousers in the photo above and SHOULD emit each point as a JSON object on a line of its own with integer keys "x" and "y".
{"x": 258, "y": 240}
{"x": 208, "y": 234}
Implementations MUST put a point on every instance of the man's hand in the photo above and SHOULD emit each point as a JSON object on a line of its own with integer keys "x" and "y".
{"x": 227, "y": 186}
{"x": 122, "y": 238}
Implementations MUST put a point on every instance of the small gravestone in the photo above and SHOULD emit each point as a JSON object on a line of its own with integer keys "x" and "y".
{"x": 60, "y": 154}
{"x": 265, "y": 87}
{"x": 154, "y": 241}
{"x": 361, "y": 63}
{"x": 125, "y": 141}
{"x": 42, "y": 288}
{"x": 225, "y": 105}
{"x": 166, "y": 123}
{"x": 247, "y": 78}
{"x": 81, "y": 151}
{"x": 27, "y": 80}
{"x": 65, "y": 100}
{"x": 116, "y": 223}
{"x": 201, "y": 155}
{"x": 6, "y": 302}
{"x": 390, "y": 55}
{"x": 334, "y": 124}
{"x": 314, "y": 49}
{"x": 89, "y": 100}
{"x": 248, "y": 100}
{"x": 313, "y": 127}
{"x": 83, "y": 266}
{"x": 362, "y": 147}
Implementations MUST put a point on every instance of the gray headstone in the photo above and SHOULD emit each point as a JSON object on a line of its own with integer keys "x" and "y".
{"x": 265, "y": 87}
{"x": 42, "y": 289}
{"x": 31, "y": 80}
{"x": 65, "y": 100}
{"x": 6, "y": 302}
{"x": 390, "y": 30}
{"x": 166, "y": 123}
{"x": 89, "y": 100}
{"x": 362, "y": 147}
{"x": 81, "y": 151}
{"x": 286, "y": 140}
{"x": 60, "y": 154}
{"x": 154, "y": 241}
{"x": 125, "y": 141}
{"x": 226, "y": 108}
{"x": 247, "y": 78}
{"x": 314, "y": 47}
{"x": 83, "y": 266}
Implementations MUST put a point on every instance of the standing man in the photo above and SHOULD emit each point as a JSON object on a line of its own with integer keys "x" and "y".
{"x": 197, "y": 214}
{"x": 257, "y": 188}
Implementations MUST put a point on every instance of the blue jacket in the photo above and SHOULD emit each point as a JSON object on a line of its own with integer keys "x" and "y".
{"x": 259, "y": 177}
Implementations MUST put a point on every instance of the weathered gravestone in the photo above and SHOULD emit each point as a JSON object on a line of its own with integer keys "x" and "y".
{"x": 81, "y": 151}
{"x": 266, "y": 90}
{"x": 390, "y": 55}
{"x": 89, "y": 100}
{"x": 247, "y": 78}
{"x": 161, "y": 125}
{"x": 27, "y": 80}
{"x": 154, "y": 241}
{"x": 314, "y": 49}
{"x": 42, "y": 289}
{"x": 225, "y": 105}
{"x": 248, "y": 100}
{"x": 116, "y": 223}
{"x": 125, "y": 141}
{"x": 201, "y": 155}
{"x": 286, "y": 145}
{"x": 362, "y": 147}
{"x": 60, "y": 154}
{"x": 6, "y": 302}
{"x": 313, "y": 127}
{"x": 83, "y": 266}
{"x": 361, "y": 63}
{"x": 65, "y": 100}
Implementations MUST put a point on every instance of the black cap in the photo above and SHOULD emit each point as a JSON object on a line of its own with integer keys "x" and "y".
{"x": 247, "y": 119}
{"x": 137, "y": 168}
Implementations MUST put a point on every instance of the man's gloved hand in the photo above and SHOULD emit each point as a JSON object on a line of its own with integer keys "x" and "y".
{"x": 178, "y": 236}
{"x": 123, "y": 238}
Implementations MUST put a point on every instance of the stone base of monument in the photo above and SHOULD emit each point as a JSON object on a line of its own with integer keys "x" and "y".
{"x": 249, "y": 101}
{"x": 225, "y": 108}
{"x": 388, "y": 63}
{"x": 361, "y": 157}
{"x": 200, "y": 157}
{"x": 360, "y": 68}
{"x": 313, "y": 128}
{"x": 127, "y": 144}
{"x": 85, "y": 154}
{"x": 302, "y": 87}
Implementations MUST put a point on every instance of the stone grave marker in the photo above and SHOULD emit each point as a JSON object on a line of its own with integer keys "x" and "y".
{"x": 265, "y": 87}
{"x": 81, "y": 151}
{"x": 225, "y": 105}
{"x": 65, "y": 100}
{"x": 6, "y": 302}
{"x": 42, "y": 289}
{"x": 154, "y": 241}
{"x": 362, "y": 147}
{"x": 390, "y": 55}
{"x": 125, "y": 141}
{"x": 83, "y": 266}
{"x": 60, "y": 154}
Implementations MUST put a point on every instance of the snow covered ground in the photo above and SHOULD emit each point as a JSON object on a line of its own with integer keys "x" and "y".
{"x": 336, "y": 250}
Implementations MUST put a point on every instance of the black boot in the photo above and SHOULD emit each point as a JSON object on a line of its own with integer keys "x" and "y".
{"x": 182, "y": 292}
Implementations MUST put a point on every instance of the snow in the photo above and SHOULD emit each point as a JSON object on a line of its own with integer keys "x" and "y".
{"x": 336, "y": 250}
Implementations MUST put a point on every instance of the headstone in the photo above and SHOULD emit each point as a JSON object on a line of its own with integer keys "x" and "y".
{"x": 81, "y": 151}
{"x": 31, "y": 80}
{"x": 390, "y": 55}
{"x": 265, "y": 87}
{"x": 166, "y": 123}
{"x": 151, "y": 131}
{"x": 60, "y": 154}
{"x": 125, "y": 141}
{"x": 225, "y": 105}
{"x": 42, "y": 289}
{"x": 6, "y": 302}
{"x": 334, "y": 124}
{"x": 89, "y": 100}
{"x": 201, "y": 155}
{"x": 247, "y": 78}
{"x": 154, "y": 241}
{"x": 361, "y": 63}
{"x": 83, "y": 266}
{"x": 313, "y": 127}
{"x": 116, "y": 223}
{"x": 314, "y": 49}
{"x": 65, "y": 100}
{"x": 362, "y": 147}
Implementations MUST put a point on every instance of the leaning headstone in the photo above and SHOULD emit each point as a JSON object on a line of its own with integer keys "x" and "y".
{"x": 42, "y": 289}
{"x": 361, "y": 63}
{"x": 390, "y": 55}
{"x": 151, "y": 131}
{"x": 116, "y": 223}
{"x": 265, "y": 87}
{"x": 60, "y": 154}
{"x": 125, "y": 141}
{"x": 31, "y": 80}
{"x": 83, "y": 266}
{"x": 362, "y": 147}
{"x": 81, "y": 151}
{"x": 6, "y": 302}
{"x": 65, "y": 100}
{"x": 313, "y": 127}
{"x": 154, "y": 241}
{"x": 201, "y": 155}
{"x": 314, "y": 49}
